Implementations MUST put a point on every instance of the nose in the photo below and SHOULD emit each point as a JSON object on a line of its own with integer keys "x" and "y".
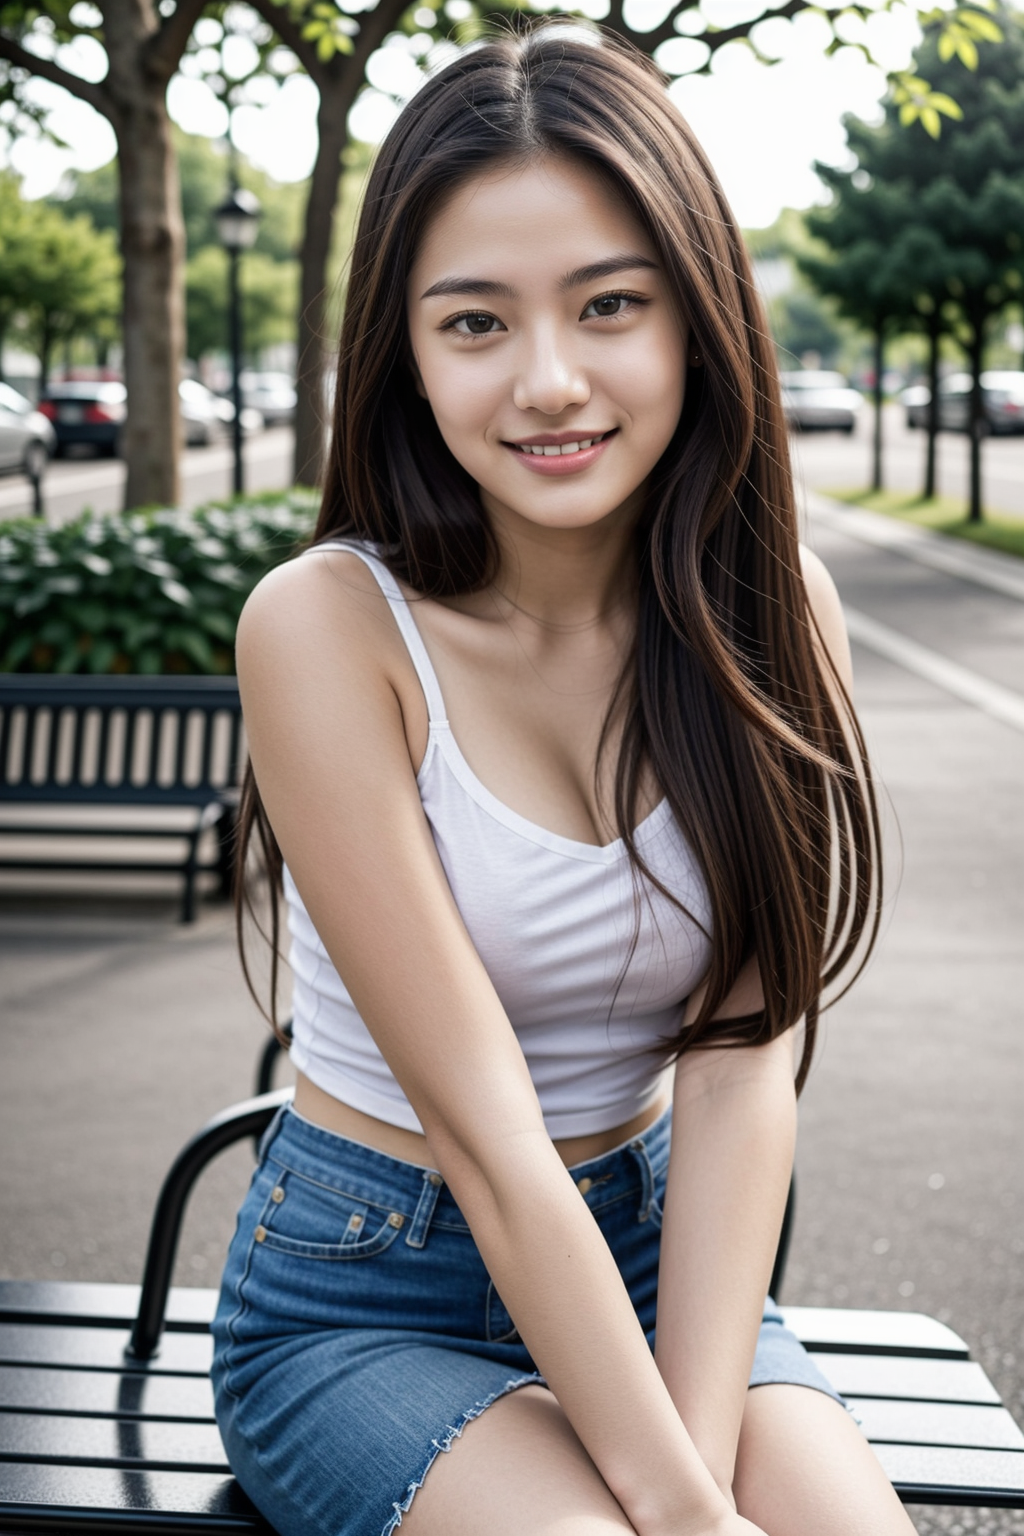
{"x": 551, "y": 376}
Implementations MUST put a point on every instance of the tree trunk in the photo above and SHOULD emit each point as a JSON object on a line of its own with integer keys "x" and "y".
{"x": 153, "y": 246}
{"x": 312, "y": 408}
{"x": 876, "y": 472}
{"x": 978, "y": 421}
{"x": 934, "y": 338}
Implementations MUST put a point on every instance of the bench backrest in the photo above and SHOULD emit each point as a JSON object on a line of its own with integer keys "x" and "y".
{"x": 119, "y": 740}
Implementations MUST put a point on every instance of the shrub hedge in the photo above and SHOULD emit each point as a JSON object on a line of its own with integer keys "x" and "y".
{"x": 150, "y": 592}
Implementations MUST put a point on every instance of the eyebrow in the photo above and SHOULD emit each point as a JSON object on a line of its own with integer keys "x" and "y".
{"x": 593, "y": 272}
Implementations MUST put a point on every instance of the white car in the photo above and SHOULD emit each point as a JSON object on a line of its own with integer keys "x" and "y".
{"x": 207, "y": 417}
{"x": 272, "y": 394}
{"x": 27, "y": 438}
{"x": 816, "y": 400}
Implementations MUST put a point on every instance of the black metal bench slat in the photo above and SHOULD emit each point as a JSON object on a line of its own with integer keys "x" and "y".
{"x": 156, "y": 1444}
{"x": 927, "y": 1475}
{"x": 101, "y": 1306}
{"x": 958, "y": 1425}
{"x": 105, "y": 1394}
{"x": 59, "y": 1499}
{"x": 942, "y": 1381}
{"x": 104, "y": 1349}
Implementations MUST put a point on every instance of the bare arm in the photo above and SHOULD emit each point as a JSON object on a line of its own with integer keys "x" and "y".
{"x": 734, "y": 1131}
{"x": 330, "y": 753}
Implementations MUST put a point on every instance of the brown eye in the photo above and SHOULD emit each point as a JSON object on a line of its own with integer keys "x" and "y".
{"x": 477, "y": 325}
{"x": 610, "y": 304}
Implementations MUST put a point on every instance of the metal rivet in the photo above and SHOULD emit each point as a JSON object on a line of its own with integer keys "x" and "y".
{"x": 636, "y": 1146}
{"x": 277, "y": 1195}
{"x": 396, "y": 1220}
{"x": 436, "y": 1180}
{"x": 355, "y": 1221}
{"x": 260, "y": 1234}
{"x": 584, "y": 1185}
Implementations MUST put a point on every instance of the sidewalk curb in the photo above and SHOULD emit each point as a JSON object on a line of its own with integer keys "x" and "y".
{"x": 985, "y": 567}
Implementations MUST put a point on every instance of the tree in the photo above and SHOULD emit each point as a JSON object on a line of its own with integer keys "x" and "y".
{"x": 948, "y": 216}
{"x": 142, "y": 45}
{"x": 61, "y": 274}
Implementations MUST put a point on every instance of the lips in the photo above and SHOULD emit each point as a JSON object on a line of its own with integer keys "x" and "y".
{"x": 563, "y": 453}
{"x": 538, "y": 448}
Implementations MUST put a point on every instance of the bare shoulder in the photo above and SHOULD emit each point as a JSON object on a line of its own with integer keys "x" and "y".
{"x": 322, "y": 598}
{"x": 827, "y": 611}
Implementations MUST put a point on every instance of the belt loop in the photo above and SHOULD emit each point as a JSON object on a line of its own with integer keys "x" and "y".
{"x": 639, "y": 1151}
{"x": 432, "y": 1186}
{"x": 263, "y": 1145}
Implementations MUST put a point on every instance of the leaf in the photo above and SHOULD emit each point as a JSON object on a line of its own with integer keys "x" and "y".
{"x": 943, "y": 103}
{"x": 325, "y": 48}
{"x": 176, "y": 593}
{"x": 948, "y": 45}
{"x": 931, "y": 122}
{"x": 908, "y": 113}
{"x": 968, "y": 52}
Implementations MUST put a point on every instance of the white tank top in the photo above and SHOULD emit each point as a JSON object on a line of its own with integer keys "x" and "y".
{"x": 553, "y": 921}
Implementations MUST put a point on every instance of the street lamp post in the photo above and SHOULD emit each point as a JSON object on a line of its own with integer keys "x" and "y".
{"x": 237, "y": 225}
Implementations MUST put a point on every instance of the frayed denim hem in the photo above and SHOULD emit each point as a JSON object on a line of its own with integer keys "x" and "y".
{"x": 454, "y": 1432}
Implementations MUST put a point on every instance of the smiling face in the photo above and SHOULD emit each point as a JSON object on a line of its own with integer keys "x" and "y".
{"x": 547, "y": 343}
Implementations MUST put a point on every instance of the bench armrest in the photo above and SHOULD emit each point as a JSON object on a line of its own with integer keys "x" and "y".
{"x": 249, "y": 1118}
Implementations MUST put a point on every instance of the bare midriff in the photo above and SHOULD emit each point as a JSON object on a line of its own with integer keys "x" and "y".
{"x": 325, "y": 1110}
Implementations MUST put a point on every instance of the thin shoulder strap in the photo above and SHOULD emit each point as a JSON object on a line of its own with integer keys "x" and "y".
{"x": 399, "y": 605}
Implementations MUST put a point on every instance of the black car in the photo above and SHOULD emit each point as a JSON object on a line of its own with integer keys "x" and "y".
{"x": 90, "y": 412}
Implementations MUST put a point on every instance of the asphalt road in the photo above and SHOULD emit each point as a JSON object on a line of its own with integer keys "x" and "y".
{"x": 122, "y": 1031}
{"x": 70, "y": 485}
{"x": 833, "y": 461}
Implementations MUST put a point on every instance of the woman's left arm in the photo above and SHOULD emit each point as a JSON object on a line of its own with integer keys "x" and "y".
{"x": 733, "y": 1137}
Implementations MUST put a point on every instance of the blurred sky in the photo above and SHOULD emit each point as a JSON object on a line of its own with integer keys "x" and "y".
{"x": 762, "y": 126}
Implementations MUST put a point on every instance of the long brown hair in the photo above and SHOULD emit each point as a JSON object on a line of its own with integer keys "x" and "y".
{"x": 724, "y": 698}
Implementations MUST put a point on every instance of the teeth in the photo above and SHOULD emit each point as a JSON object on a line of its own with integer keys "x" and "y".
{"x": 550, "y": 450}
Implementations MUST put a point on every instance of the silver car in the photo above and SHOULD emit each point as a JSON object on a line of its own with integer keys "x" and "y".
{"x": 1002, "y": 393}
{"x": 816, "y": 400}
{"x": 27, "y": 439}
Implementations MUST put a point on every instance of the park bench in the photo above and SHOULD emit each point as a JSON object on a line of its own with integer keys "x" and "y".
{"x": 106, "y": 1408}
{"x": 106, "y": 758}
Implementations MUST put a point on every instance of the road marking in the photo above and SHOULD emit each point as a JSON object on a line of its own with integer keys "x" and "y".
{"x": 1001, "y": 703}
{"x": 954, "y": 557}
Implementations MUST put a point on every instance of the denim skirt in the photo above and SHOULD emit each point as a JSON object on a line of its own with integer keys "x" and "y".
{"x": 358, "y": 1331}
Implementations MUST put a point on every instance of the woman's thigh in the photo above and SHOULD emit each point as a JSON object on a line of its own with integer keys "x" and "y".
{"x": 805, "y": 1469}
{"x": 517, "y": 1469}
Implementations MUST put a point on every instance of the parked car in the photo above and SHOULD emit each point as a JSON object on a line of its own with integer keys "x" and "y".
{"x": 207, "y": 417}
{"x": 272, "y": 394}
{"x": 86, "y": 411}
{"x": 1002, "y": 393}
{"x": 813, "y": 400}
{"x": 915, "y": 402}
{"x": 27, "y": 438}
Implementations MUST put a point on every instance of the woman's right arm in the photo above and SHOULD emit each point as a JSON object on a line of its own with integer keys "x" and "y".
{"x": 331, "y": 758}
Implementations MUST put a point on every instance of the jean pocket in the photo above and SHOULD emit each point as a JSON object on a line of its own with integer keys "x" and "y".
{"x": 313, "y": 1221}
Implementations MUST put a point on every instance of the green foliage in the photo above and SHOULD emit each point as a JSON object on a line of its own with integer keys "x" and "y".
{"x": 61, "y": 274}
{"x": 270, "y": 298}
{"x": 922, "y": 226}
{"x": 150, "y": 592}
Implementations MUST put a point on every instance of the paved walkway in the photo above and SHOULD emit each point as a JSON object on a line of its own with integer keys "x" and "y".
{"x": 122, "y": 1030}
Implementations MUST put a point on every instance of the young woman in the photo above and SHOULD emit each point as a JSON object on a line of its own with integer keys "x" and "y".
{"x": 550, "y": 727}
